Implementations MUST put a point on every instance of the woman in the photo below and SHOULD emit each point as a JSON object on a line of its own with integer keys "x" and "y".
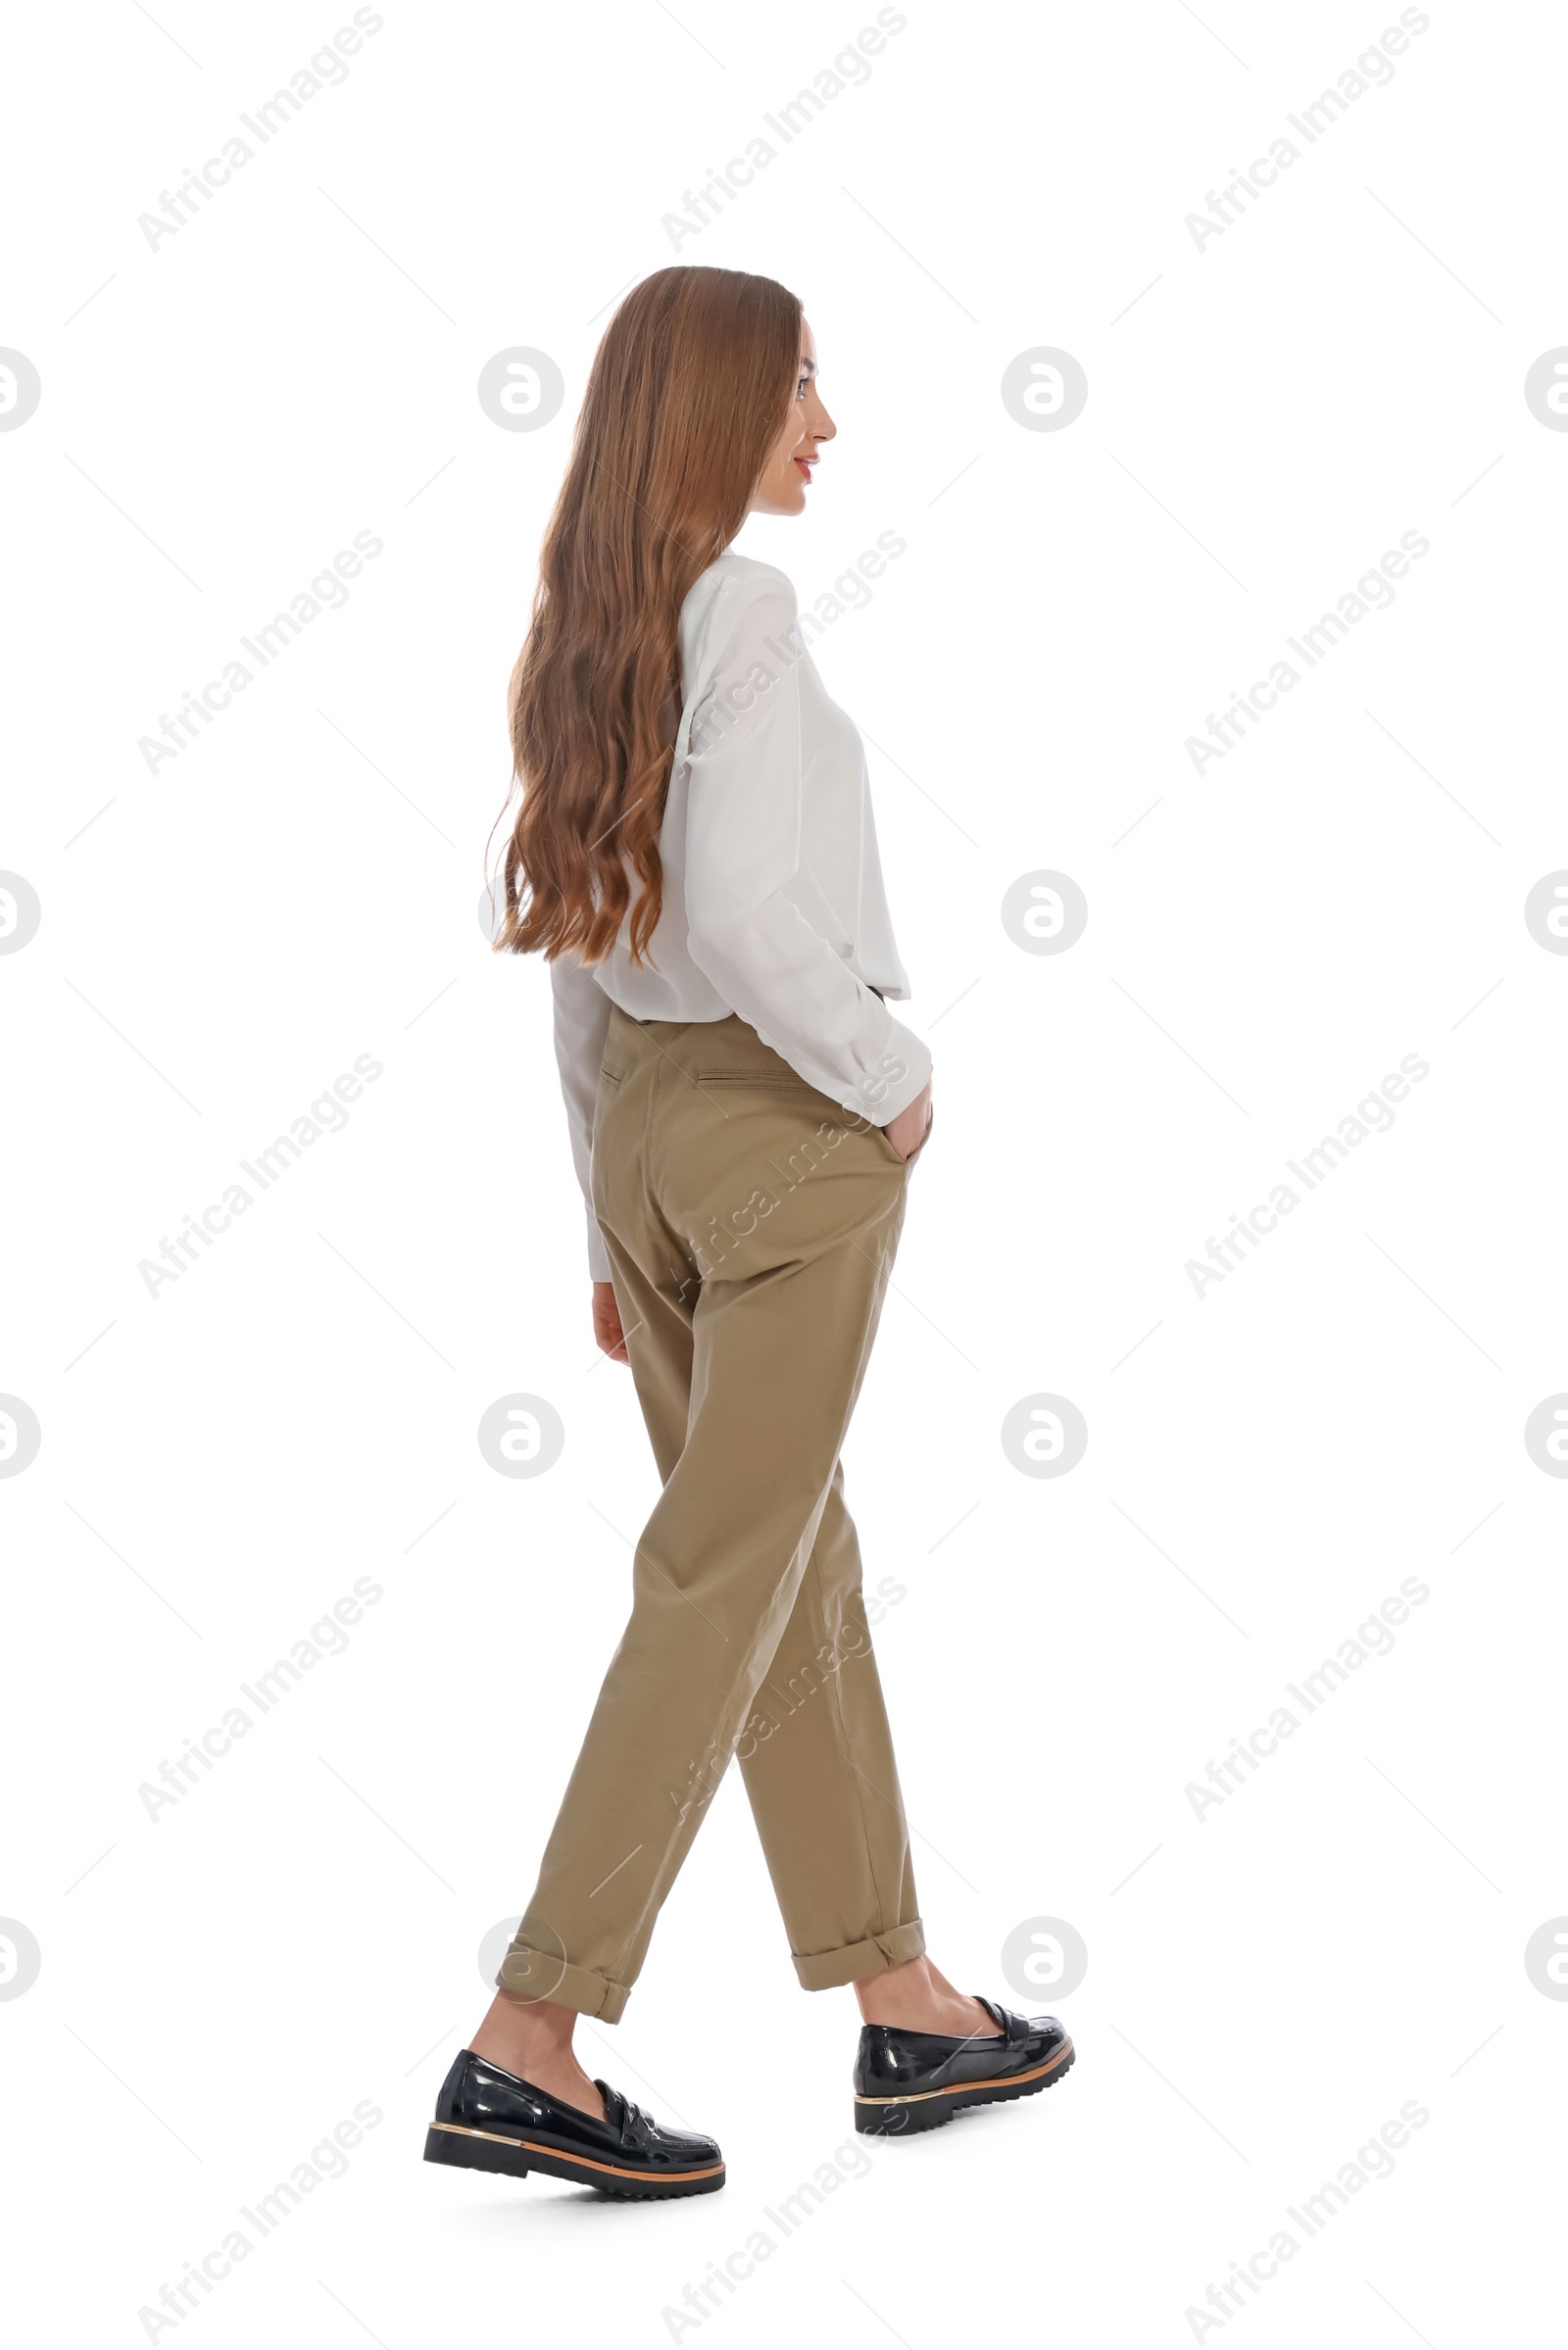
{"x": 695, "y": 856}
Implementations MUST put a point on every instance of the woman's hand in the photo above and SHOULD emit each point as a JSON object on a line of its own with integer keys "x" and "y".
{"x": 607, "y": 1333}
{"x": 907, "y": 1132}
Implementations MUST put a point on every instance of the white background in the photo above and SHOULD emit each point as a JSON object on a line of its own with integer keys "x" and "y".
{"x": 1266, "y": 1985}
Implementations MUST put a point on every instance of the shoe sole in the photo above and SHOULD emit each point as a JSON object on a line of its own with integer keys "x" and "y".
{"x": 928, "y": 2109}
{"x": 468, "y": 2149}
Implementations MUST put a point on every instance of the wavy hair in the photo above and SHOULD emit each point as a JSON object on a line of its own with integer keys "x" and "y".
{"x": 688, "y": 393}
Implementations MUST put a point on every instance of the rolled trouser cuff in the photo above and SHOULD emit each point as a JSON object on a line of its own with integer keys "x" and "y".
{"x": 826, "y": 1969}
{"x": 534, "y": 1975}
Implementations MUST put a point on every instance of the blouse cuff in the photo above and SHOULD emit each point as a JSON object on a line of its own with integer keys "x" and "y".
{"x": 880, "y": 1098}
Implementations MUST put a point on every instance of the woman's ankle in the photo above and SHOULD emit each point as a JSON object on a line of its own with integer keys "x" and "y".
{"x": 916, "y": 1997}
{"x": 518, "y": 2031}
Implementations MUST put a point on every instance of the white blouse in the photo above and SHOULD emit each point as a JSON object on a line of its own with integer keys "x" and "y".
{"x": 773, "y": 905}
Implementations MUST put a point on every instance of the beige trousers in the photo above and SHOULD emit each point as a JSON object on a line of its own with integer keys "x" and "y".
{"x": 752, "y": 1226}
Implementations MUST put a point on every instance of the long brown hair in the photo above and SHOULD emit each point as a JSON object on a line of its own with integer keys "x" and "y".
{"x": 688, "y": 393}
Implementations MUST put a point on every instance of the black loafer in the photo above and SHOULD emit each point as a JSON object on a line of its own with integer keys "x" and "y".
{"x": 487, "y": 2119}
{"x": 908, "y": 2080}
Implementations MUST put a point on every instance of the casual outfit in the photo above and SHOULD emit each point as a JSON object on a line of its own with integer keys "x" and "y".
{"x": 725, "y": 1106}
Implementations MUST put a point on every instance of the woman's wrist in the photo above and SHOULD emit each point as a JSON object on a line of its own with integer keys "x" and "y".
{"x": 907, "y": 1132}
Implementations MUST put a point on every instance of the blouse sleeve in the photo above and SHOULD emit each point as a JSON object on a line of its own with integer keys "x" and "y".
{"x": 743, "y": 846}
{"x": 582, "y": 1023}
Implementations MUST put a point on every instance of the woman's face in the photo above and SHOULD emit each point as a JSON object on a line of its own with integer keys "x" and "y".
{"x": 782, "y": 485}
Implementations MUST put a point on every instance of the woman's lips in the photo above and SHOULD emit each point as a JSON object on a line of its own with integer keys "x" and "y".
{"x": 805, "y": 464}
